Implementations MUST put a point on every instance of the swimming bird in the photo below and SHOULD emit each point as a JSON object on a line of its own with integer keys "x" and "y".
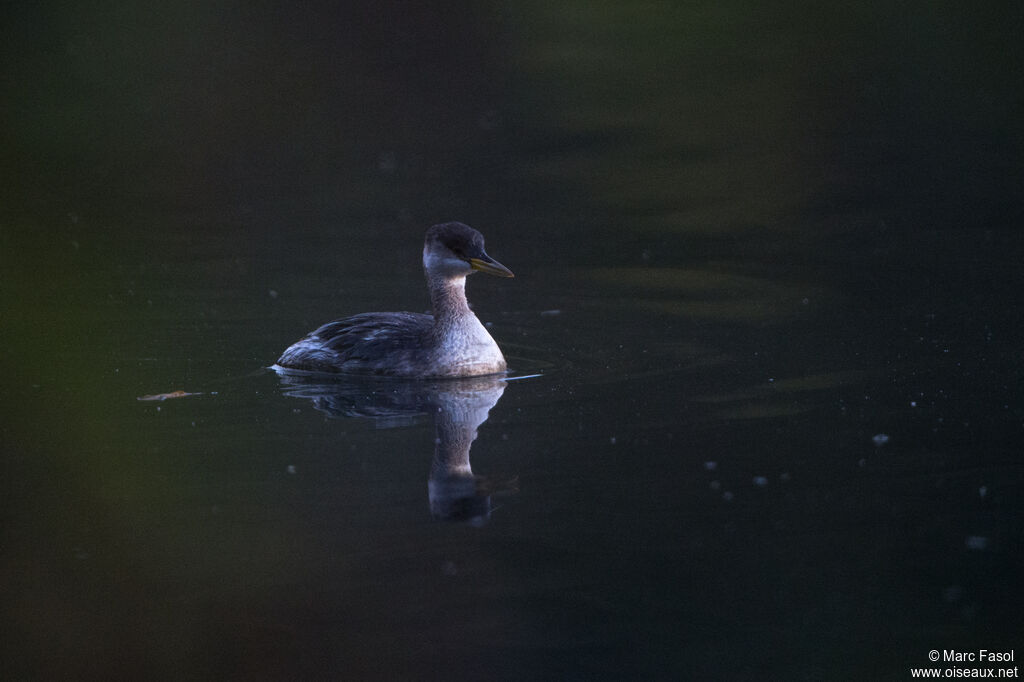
{"x": 449, "y": 343}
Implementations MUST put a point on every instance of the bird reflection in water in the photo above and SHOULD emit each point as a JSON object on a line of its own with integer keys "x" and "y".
{"x": 458, "y": 408}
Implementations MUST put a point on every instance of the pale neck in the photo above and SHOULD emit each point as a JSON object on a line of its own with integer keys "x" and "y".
{"x": 448, "y": 298}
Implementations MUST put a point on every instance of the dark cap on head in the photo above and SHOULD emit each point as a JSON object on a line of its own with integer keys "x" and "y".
{"x": 459, "y": 238}
{"x": 467, "y": 244}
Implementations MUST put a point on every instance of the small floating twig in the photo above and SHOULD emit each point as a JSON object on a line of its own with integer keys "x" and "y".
{"x": 166, "y": 396}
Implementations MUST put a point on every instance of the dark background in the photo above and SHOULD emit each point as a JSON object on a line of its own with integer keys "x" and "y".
{"x": 747, "y": 239}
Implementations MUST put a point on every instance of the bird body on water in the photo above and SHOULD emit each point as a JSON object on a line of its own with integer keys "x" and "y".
{"x": 449, "y": 343}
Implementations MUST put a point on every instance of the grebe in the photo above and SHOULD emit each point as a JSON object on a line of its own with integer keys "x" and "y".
{"x": 449, "y": 343}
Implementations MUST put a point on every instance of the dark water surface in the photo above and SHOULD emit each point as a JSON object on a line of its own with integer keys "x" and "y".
{"x": 767, "y": 316}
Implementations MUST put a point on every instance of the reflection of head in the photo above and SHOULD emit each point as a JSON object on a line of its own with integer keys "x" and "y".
{"x": 458, "y": 499}
{"x": 458, "y": 407}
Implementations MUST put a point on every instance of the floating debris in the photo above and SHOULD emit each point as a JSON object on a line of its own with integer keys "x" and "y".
{"x": 976, "y": 542}
{"x": 760, "y": 481}
{"x": 880, "y": 439}
{"x": 953, "y": 593}
{"x": 166, "y": 396}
